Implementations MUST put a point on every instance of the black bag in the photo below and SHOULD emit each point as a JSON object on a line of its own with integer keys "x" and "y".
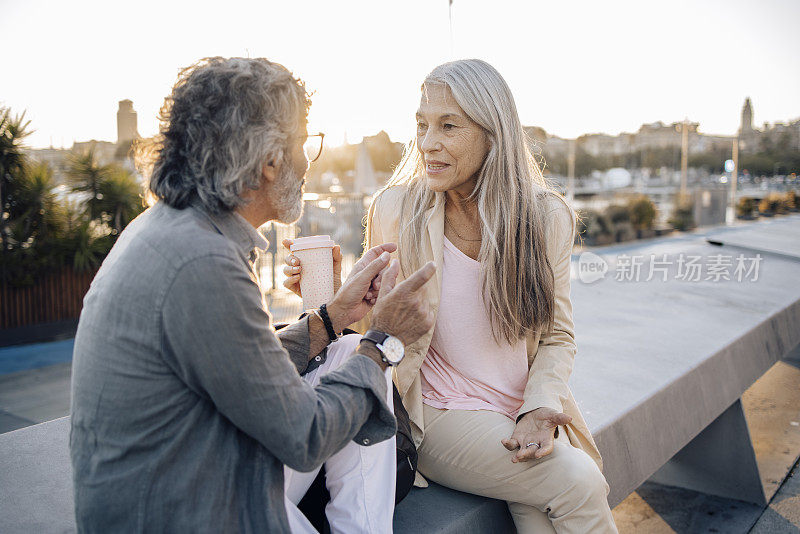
{"x": 313, "y": 503}
{"x": 406, "y": 451}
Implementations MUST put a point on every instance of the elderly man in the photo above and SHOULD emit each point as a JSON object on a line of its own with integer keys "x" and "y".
{"x": 186, "y": 404}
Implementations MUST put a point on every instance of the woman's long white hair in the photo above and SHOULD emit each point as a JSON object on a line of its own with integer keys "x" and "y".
{"x": 511, "y": 195}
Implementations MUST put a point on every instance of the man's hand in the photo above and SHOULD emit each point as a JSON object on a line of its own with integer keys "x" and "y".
{"x": 401, "y": 309}
{"x": 536, "y": 427}
{"x": 354, "y": 299}
{"x": 368, "y": 257}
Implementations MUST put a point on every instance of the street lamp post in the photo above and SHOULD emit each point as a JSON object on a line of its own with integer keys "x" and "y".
{"x": 734, "y": 179}
{"x": 684, "y": 156}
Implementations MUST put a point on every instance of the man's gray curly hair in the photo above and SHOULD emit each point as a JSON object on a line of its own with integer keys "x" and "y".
{"x": 225, "y": 118}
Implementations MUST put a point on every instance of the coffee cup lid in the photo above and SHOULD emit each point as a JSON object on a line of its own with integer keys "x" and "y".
{"x": 313, "y": 241}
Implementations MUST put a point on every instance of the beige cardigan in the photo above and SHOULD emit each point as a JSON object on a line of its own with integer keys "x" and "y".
{"x": 550, "y": 359}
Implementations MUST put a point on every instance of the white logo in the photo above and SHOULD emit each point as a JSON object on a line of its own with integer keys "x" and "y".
{"x": 591, "y": 267}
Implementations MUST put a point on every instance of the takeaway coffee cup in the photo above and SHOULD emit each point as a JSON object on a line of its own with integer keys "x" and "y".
{"x": 316, "y": 260}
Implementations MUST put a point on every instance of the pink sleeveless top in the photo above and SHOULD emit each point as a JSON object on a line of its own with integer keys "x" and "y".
{"x": 465, "y": 369}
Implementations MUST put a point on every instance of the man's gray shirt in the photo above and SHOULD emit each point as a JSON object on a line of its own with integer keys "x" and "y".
{"x": 185, "y": 402}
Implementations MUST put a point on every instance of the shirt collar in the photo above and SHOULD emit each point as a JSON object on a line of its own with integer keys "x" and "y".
{"x": 234, "y": 227}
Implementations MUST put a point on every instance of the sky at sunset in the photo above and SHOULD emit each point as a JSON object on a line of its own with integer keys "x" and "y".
{"x": 575, "y": 67}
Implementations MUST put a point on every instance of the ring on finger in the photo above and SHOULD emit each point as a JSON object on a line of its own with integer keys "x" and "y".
{"x": 532, "y": 444}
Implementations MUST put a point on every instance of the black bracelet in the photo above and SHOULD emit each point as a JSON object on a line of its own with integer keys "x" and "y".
{"x": 326, "y": 320}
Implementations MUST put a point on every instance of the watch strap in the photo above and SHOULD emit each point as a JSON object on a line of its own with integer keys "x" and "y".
{"x": 376, "y": 336}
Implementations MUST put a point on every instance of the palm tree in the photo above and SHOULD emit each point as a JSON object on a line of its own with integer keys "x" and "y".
{"x": 33, "y": 198}
{"x": 80, "y": 241}
{"x": 88, "y": 249}
{"x": 12, "y": 161}
{"x": 30, "y": 228}
{"x": 86, "y": 175}
{"x": 120, "y": 198}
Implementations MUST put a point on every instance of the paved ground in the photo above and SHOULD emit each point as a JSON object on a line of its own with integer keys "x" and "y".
{"x": 34, "y": 387}
{"x": 772, "y": 410}
{"x": 34, "y": 396}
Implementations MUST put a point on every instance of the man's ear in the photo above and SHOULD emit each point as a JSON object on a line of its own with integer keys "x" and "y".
{"x": 270, "y": 171}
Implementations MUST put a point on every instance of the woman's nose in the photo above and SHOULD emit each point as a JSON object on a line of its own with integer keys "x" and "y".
{"x": 430, "y": 143}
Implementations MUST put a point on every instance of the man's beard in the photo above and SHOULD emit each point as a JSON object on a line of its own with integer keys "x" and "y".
{"x": 286, "y": 195}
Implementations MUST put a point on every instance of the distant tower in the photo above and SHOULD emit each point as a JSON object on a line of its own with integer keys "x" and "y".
{"x": 126, "y": 122}
{"x": 747, "y": 118}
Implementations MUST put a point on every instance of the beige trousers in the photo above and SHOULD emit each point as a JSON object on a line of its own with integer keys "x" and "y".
{"x": 563, "y": 492}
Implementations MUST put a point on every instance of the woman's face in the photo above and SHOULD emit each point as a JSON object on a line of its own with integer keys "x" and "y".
{"x": 452, "y": 145}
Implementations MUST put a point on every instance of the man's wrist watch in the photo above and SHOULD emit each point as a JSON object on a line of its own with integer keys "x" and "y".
{"x": 391, "y": 348}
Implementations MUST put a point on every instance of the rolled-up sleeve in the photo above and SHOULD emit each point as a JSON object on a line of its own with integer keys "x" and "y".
{"x": 294, "y": 338}
{"x": 225, "y": 351}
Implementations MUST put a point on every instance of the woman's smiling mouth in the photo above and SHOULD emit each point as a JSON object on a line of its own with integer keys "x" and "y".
{"x": 435, "y": 167}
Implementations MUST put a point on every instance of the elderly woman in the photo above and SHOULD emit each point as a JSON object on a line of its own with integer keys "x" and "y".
{"x": 486, "y": 389}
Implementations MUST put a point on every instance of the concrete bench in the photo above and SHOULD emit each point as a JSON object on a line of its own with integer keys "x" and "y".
{"x": 660, "y": 371}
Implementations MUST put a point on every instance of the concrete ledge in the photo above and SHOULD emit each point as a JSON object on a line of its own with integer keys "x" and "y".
{"x": 446, "y": 511}
{"x": 36, "y": 479}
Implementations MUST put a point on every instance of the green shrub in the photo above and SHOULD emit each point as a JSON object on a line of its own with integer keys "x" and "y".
{"x": 682, "y": 218}
{"x": 772, "y": 204}
{"x": 792, "y": 200}
{"x": 746, "y": 207}
{"x": 642, "y": 212}
{"x": 620, "y": 217}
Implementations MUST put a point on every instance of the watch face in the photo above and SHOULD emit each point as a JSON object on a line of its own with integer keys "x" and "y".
{"x": 393, "y": 350}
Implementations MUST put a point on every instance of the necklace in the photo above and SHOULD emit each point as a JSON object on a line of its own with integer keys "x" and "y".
{"x": 456, "y": 232}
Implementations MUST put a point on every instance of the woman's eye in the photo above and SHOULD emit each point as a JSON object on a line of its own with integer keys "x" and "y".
{"x": 449, "y": 126}
{"x": 420, "y": 126}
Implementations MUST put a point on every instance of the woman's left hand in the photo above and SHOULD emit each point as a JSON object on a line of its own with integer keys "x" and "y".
{"x": 536, "y": 427}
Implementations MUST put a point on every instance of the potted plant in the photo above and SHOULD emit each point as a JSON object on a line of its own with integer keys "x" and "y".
{"x": 793, "y": 201}
{"x": 682, "y": 218}
{"x": 620, "y": 218}
{"x": 642, "y": 215}
{"x": 772, "y": 204}
{"x": 746, "y": 208}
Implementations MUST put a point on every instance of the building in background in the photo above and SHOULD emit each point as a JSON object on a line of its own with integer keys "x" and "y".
{"x": 127, "y": 130}
{"x": 105, "y": 151}
{"x": 747, "y": 134}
